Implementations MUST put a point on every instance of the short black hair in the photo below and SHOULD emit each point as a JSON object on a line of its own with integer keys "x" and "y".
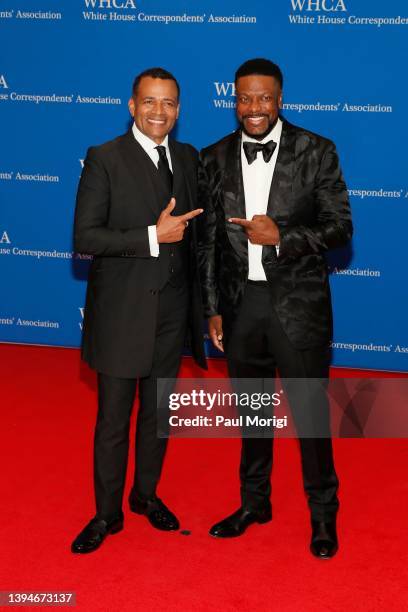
{"x": 155, "y": 73}
{"x": 260, "y": 66}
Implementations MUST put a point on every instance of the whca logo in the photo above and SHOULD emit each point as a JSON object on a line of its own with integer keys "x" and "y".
{"x": 4, "y": 238}
{"x": 225, "y": 89}
{"x": 110, "y": 4}
{"x": 3, "y": 82}
{"x": 328, "y": 6}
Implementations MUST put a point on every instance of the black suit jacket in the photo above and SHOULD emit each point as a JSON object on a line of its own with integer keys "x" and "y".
{"x": 309, "y": 202}
{"x": 117, "y": 200}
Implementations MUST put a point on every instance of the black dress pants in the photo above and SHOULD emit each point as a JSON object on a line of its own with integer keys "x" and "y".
{"x": 257, "y": 346}
{"x": 115, "y": 401}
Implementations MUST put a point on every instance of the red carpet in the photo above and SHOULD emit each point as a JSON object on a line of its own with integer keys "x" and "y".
{"x": 47, "y": 417}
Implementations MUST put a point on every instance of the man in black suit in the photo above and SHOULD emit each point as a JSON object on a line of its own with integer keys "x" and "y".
{"x": 135, "y": 201}
{"x": 274, "y": 201}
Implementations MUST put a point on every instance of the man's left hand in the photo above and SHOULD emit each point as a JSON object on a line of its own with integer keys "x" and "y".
{"x": 261, "y": 229}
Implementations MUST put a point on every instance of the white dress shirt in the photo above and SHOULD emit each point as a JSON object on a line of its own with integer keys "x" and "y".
{"x": 257, "y": 179}
{"x": 149, "y": 146}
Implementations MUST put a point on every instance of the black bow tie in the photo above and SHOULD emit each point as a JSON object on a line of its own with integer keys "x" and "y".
{"x": 251, "y": 150}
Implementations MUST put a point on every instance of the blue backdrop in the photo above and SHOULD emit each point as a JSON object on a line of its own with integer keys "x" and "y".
{"x": 66, "y": 68}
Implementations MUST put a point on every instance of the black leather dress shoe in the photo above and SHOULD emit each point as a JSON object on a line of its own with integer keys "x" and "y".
{"x": 94, "y": 534}
{"x": 157, "y": 513}
{"x": 324, "y": 544}
{"x": 236, "y": 524}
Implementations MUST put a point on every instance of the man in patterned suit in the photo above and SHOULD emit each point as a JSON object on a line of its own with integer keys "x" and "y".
{"x": 274, "y": 201}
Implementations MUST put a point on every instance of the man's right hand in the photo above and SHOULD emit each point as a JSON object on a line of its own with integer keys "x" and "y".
{"x": 171, "y": 228}
{"x": 215, "y": 331}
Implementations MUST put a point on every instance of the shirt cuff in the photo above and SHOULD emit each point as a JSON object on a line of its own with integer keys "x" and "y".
{"x": 154, "y": 245}
{"x": 277, "y": 249}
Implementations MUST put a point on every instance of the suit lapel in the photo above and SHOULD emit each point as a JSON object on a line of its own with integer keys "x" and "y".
{"x": 185, "y": 180}
{"x": 280, "y": 194}
{"x": 180, "y": 176}
{"x": 281, "y": 191}
{"x": 234, "y": 196}
{"x": 140, "y": 167}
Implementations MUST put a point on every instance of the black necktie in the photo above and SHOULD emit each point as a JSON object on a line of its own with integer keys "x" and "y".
{"x": 164, "y": 168}
{"x": 251, "y": 150}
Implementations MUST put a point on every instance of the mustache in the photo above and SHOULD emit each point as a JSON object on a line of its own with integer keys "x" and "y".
{"x": 255, "y": 116}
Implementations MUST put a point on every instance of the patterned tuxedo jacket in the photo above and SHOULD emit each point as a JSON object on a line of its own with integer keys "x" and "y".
{"x": 309, "y": 202}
